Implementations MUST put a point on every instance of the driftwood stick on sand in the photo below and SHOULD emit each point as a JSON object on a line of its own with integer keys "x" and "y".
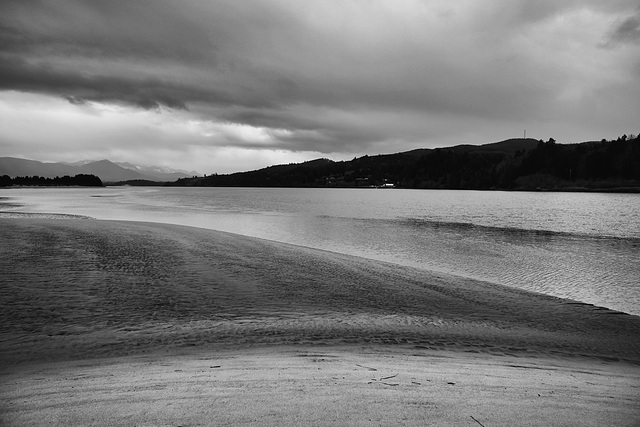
{"x": 476, "y": 421}
{"x": 367, "y": 367}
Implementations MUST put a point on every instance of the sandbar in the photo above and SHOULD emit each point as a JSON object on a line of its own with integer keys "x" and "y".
{"x": 129, "y": 323}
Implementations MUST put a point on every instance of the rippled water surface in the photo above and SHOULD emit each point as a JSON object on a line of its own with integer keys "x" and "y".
{"x": 584, "y": 246}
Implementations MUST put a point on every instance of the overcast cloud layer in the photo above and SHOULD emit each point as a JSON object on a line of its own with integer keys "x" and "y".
{"x": 223, "y": 86}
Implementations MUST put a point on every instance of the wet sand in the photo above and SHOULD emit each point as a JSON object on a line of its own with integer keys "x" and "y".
{"x": 107, "y": 322}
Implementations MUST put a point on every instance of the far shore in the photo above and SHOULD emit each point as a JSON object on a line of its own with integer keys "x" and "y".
{"x": 116, "y": 322}
{"x": 155, "y": 184}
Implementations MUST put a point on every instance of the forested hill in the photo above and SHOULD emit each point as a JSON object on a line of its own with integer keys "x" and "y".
{"x": 525, "y": 164}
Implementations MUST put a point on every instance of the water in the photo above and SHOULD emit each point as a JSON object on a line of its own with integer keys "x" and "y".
{"x": 583, "y": 246}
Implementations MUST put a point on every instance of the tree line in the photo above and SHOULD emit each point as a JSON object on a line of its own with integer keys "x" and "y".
{"x": 523, "y": 164}
{"x": 80, "y": 180}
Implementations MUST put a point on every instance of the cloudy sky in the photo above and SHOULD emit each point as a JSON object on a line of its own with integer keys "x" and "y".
{"x": 224, "y": 86}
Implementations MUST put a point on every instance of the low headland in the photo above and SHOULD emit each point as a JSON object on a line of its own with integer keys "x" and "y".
{"x": 514, "y": 164}
{"x": 123, "y": 323}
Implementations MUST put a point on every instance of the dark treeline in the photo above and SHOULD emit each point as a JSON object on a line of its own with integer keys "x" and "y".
{"x": 81, "y": 180}
{"x": 518, "y": 164}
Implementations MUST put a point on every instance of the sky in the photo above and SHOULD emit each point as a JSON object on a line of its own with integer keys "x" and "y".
{"x": 225, "y": 86}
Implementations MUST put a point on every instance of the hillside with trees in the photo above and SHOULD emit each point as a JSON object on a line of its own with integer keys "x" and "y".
{"x": 516, "y": 164}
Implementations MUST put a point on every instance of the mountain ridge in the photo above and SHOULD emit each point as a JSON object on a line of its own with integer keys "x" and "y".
{"x": 106, "y": 170}
{"x": 513, "y": 164}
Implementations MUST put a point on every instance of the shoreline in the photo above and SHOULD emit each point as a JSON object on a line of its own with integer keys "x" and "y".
{"x": 599, "y": 303}
{"x": 112, "y": 322}
{"x": 128, "y": 281}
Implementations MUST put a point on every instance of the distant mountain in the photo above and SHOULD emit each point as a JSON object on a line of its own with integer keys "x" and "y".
{"x": 514, "y": 164}
{"x": 160, "y": 173}
{"x": 106, "y": 170}
{"x": 21, "y": 167}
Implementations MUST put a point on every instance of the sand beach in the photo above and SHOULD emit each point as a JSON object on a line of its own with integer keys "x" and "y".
{"x": 129, "y": 323}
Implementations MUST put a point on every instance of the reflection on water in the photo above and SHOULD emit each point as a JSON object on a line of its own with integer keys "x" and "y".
{"x": 579, "y": 246}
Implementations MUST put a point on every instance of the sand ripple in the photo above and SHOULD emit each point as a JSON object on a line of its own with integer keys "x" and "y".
{"x": 78, "y": 289}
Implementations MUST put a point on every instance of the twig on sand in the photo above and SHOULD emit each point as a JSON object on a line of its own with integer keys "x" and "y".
{"x": 367, "y": 367}
{"x": 386, "y": 378}
{"x": 476, "y": 421}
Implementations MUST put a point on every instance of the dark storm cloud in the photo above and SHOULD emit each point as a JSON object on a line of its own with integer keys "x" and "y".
{"x": 262, "y": 55}
{"x": 103, "y": 51}
{"x": 626, "y": 32}
{"x": 107, "y": 30}
{"x": 77, "y": 88}
{"x": 324, "y": 76}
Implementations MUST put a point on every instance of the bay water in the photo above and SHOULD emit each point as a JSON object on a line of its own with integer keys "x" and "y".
{"x": 582, "y": 246}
